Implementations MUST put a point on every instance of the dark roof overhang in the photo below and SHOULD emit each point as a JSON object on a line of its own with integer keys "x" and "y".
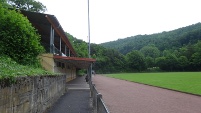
{"x": 43, "y": 22}
{"x": 80, "y": 63}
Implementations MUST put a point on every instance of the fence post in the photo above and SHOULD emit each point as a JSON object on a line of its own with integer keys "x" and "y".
{"x": 99, "y": 96}
{"x": 91, "y": 89}
{"x": 98, "y": 104}
{"x": 94, "y": 99}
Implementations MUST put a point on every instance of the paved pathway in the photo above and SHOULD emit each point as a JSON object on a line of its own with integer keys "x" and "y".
{"x": 75, "y": 100}
{"x": 127, "y": 97}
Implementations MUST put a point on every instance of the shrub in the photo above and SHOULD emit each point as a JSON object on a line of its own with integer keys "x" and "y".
{"x": 18, "y": 39}
{"x": 10, "y": 69}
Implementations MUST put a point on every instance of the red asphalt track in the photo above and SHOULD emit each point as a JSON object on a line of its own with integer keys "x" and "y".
{"x": 121, "y": 96}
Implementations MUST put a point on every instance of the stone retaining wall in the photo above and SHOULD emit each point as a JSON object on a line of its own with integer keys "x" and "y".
{"x": 31, "y": 94}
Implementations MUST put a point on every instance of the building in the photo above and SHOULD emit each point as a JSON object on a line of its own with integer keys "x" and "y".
{"x": 61, "y": 56}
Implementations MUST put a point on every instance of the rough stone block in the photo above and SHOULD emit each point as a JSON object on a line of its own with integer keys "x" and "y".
{"x": 31, "y": 94}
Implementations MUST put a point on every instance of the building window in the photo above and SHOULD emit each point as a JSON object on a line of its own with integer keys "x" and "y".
{"x": 58, "y": 64}
{"x": 63, "y": 65}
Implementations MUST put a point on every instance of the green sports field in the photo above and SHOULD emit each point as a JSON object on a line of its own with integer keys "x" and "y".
{"x": 182, "y": 81}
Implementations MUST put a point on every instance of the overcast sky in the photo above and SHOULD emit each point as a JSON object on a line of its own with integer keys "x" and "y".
{"x": 115, "y": 19}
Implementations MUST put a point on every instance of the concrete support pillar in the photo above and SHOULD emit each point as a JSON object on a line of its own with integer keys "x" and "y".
{"x": 65, "y": 49}
{"x": 68, "y": 52}
{"x": 60, "y": 44}
{"x": 52, "y": 40}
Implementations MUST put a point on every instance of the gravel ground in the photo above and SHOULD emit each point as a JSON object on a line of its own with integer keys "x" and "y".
{"x": 122, "y": 96}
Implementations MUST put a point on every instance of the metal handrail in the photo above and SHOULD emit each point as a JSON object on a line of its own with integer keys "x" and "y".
{"x": 57, "y": 51}
{"x": 98, "y": 103}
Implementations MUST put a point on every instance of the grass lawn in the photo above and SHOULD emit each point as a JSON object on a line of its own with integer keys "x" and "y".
{"x": 182, "y": 81}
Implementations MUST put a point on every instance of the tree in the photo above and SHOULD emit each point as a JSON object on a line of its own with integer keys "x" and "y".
{"x": 150, "y": 51}
{"x": 136, "y": 61}
{"x": 196, "y": 57}
{"x": 4, "y": 3}
{"x": 183, "y": 62}
{"x": 166, "y": 53}
{"x": 168, "y": 63}
{"x": 110, "y": 59}
{"x": 28, "y": 5}
{"x": 18, "y": 39}
{"x": 160, "y": 62}
{"x": 150, "y": 62}
{"x": 80, "y": 46}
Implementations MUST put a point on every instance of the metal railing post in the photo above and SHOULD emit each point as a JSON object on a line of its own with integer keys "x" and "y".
{"x": 99, "y": 109}
{"x": 94, "y": 99}
{"x": 97, "y": 101}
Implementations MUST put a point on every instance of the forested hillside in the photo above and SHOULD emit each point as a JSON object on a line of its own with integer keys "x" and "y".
{"x": 80, "y": 46}
{"x": 177, "y": 50}
{"x": 163, "y": 41}
{"x": 107, "y": 60}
